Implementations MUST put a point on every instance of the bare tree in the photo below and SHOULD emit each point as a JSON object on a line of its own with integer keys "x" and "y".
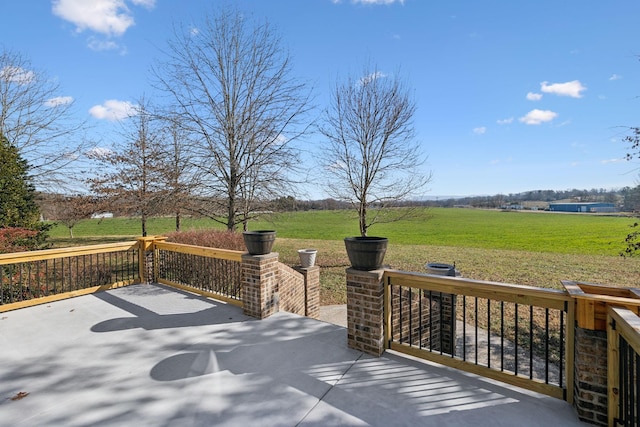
{"x": 37, "y": 119}
{"x": 232, "y": 83}
{"x": 134, "y": 180}
{"x": 371, "y": 158}
{"x": 177, "y": 170}
{"x": 70, "y": 210}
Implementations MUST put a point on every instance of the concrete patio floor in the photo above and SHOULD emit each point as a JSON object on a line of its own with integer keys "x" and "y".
{"x": 149, "y": 355}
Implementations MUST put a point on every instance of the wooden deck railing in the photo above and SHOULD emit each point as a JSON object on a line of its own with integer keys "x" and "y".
{"x": 49, "y": 275}
{"x": 516, "y": 334}
{"x": 213, "y": 272}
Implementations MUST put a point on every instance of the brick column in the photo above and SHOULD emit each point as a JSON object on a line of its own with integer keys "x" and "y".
{"x": 311, "y": 290}
{"x": 260, "y": 284}
{"x": 590, "y": 380}
{"x": 365, "y": 311}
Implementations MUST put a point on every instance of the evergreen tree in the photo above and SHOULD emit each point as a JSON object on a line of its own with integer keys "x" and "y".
{"x": 18, "y": 208}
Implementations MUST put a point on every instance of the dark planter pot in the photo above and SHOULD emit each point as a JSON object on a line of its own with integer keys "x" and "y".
{"x": 259, "y": 242}
{"x": 366, "y": 253}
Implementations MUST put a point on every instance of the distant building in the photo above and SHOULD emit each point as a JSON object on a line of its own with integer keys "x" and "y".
{"x": 589, "y": 207}
{"x": 100, "y": 215}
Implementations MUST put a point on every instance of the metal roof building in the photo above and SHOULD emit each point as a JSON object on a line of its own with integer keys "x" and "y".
{"x": 591, "y": 207}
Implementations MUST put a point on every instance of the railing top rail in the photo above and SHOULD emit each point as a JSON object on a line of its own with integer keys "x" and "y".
{"x": 227, "y": 254}
{"x": 45, "y": 254}
{"x": 552, "y": 298}
{"x": 627, "y": 324}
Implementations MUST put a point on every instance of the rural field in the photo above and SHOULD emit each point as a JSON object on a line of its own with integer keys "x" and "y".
{"x": 528, "y": 248}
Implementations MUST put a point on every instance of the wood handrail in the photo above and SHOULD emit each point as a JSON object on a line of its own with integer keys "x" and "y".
{"x": 227, "y": 254}
{"x": 18, "y": 257}
{"x": 521, "y": 294}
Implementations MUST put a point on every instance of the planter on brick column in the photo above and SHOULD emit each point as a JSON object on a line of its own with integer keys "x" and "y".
{"x": 259, "y": 242}
{"x": 366, "y": 253}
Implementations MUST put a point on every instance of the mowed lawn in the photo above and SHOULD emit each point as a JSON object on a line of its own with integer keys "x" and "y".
{"x": 531, "y": 248}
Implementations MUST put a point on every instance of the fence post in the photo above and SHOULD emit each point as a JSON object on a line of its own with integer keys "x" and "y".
{"x": 147, "y": 258}
{"x": 260, "y": 284}
{"x": 613, "y": 383}
{"x": 145, "y": 244}
{"x": 365, "y": 311}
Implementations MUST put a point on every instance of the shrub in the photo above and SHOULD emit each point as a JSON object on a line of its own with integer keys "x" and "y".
{"x": 17, "y": 239}
{"x": 209, "y": 238}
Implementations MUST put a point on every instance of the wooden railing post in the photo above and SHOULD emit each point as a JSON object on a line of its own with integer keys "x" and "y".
{"x": 147, "y": 258}
{"x": 613, "y": 369}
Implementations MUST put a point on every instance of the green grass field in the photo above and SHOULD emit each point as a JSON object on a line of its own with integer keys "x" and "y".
{"x": 471, "y": 228}
{"x": 526, "y": 248}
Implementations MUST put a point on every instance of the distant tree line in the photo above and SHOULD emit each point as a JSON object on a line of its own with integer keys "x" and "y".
{"x": 627, "y": 198}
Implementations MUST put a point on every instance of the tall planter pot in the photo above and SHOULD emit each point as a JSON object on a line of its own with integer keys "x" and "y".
{"x": 366, "y": 253}
{"x": 259, "y": 242}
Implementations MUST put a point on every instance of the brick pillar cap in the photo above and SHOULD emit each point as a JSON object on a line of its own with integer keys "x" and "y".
{"x": 370, "y": 273}
{"x": 271, "y": 255}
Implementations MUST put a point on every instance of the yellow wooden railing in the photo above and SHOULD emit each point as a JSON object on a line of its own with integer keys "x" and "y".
{"x": 209, "y": 271}
{"x": 494, "y": 312}
{"x": 37, "y": 277}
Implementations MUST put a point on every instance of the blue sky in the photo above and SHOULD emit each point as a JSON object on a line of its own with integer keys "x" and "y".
{"x": 511, "y": 95}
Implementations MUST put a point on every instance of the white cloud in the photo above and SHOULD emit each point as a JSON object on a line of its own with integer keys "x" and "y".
{"x": 573, "y": 88}
{"x": 505, "y": 121}
{"x": 17, "y": 75}
{"x": 108, "y": 17}
{"x": 536, "y": 117}
{"x": 59, "y": 100}
{"x": 615, "y": 77}
{"x": 480, "y": 130}
{"x": 100, "y": 45}
{"x": 98, "y": 153}
{"x": 534, "y": 96}
{"x": 113, "y": 110}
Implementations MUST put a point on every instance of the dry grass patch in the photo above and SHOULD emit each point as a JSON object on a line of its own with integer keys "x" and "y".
{"x": 544, "y": 270}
